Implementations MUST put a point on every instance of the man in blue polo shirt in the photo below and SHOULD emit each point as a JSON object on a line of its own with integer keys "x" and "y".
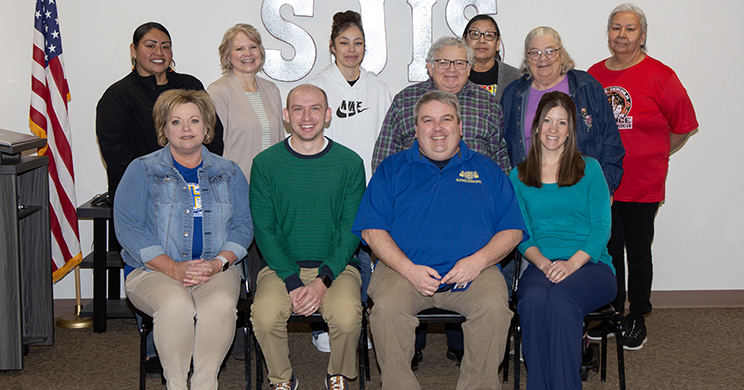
{"x": 440, "y": 217}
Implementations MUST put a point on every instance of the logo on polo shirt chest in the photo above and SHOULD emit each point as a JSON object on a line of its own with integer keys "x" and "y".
{"x": 468, "y": 177}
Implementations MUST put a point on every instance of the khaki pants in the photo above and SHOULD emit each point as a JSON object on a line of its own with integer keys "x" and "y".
{"x": 188, "y": 322}
{"x": 341, "y": 309}
{"x": 393, "y": 322}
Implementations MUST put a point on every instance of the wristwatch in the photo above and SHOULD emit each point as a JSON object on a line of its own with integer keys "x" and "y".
{"x": 326, "y": 280}
{"x": 225, "y": 263}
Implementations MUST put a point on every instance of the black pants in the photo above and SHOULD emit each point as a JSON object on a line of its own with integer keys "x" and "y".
{"x": 633, "y": 232}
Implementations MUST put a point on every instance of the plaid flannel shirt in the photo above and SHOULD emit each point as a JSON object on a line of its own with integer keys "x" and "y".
{"x": 482, "y": 123}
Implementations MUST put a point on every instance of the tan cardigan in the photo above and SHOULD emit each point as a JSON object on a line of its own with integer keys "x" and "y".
{"x": 242, "y": 135}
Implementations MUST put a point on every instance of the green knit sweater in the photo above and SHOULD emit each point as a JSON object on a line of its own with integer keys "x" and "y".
{"x": 303, "y": 208}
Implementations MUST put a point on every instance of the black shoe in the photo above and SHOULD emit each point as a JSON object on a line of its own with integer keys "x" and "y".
{"x": 418, "y": 357}
{"x": 455, "y": 355}
{"x": 635, "y": 335}
{"x": 153, "y": 368}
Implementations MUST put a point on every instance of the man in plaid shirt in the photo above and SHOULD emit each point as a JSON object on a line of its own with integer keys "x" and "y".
{"x": 449, "y": 62}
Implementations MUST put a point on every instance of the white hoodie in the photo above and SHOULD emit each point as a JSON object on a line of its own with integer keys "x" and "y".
{"x": 358, "y": 111}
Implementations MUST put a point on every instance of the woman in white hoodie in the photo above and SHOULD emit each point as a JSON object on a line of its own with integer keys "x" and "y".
{"x": 359, "y": 101}
{"x": 358, "y": 98}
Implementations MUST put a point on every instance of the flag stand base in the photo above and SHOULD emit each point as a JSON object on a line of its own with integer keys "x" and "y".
{"x": 74, "y": 321}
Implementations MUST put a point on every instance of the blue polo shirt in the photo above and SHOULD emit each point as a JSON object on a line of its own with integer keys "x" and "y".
{"x": 439, "y": 216}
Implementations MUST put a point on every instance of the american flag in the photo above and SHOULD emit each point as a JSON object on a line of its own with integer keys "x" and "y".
{"x": 48, "y": 119}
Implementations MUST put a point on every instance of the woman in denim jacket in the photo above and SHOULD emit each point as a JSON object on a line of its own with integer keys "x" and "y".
{"x": 182, "y": 217}
{"x": 547, "y": 67}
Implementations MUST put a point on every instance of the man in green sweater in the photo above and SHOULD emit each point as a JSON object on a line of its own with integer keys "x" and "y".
{"x": 304, "y": 196}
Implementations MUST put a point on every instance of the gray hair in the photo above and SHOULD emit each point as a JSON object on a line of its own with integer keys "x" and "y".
{"x": 443, "y": 42}
{"x": 440, "y": 96}
{"x": 567, "y": 64}
{"x": 630, "y": 7}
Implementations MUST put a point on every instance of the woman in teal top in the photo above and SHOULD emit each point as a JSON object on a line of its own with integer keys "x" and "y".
{"x": 565, "y": 203}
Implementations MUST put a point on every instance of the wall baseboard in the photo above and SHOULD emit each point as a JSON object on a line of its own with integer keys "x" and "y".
{"x": 697, "y": 299}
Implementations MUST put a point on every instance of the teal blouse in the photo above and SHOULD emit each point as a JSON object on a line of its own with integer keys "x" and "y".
{"x": 564, "y": 220}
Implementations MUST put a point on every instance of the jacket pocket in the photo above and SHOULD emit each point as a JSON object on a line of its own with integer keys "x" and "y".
{"x": 166, "y": 189}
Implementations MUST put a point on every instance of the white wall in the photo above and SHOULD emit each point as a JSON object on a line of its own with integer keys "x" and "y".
{"x": 696, "y": 246}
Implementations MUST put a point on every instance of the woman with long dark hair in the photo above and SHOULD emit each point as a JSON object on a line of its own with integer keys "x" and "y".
{"x": 565, "y": 204}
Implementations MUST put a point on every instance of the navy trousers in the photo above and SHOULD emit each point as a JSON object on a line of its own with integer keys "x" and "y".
{"x": 552, "y": 320}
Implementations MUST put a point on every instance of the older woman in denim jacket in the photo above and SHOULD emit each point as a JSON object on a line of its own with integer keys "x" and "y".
{"x": 182, "y": 217}
{"x": 547, "y": 67}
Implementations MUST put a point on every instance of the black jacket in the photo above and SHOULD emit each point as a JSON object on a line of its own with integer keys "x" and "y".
{"x": 124, "y": 124}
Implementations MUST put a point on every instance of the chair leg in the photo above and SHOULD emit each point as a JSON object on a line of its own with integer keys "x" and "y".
{"x": 517, "y": 354}
{"x": 603, "y": 357}
{"x": 247, "y": 335}
{"x": 365, "y": 331}
{"x": 143, "y": 331}
{"x": 620, "y": 357}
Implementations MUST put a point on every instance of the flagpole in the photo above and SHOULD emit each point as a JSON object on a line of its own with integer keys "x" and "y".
{"x": 74, "y": 321}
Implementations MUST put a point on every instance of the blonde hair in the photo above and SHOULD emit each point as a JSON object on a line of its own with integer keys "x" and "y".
{"x": 226, "y": 44}
{"x": 169, "y": 100}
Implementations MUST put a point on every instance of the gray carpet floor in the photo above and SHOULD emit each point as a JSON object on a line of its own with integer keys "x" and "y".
{"x": 687, "y": 349}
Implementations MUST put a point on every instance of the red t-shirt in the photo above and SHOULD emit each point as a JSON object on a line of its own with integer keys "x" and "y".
{"x": 649, "y": 103}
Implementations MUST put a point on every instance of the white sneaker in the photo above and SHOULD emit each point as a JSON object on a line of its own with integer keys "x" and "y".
{"x": 322, "y": 342}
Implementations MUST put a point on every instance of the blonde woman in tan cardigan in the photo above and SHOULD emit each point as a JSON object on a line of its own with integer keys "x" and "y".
{"x": 249, "y": 107}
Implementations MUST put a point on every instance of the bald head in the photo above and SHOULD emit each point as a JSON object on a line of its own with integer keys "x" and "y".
{"x": 307, "y": 88}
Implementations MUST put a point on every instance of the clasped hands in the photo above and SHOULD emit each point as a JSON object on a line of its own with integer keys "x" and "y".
{"x": 195, "y": 272}
{"x": 558, "y": 270}
{"x": 427, "y": 280}
{"x": 306, "y": 300}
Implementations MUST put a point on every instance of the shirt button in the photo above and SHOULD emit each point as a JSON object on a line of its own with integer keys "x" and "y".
{"x": 186, "y": 211}
{"x": 185, "y": 234}
{"x": 184, "y": 188}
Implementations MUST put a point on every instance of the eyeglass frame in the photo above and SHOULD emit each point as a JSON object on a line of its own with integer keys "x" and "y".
{"x": 547, "y": 52}
{"x": 450, "y": 63}
{"x": 483, "y": 33}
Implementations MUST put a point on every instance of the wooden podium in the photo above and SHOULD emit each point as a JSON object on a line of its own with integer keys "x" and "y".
{"x": 26, "y": 306}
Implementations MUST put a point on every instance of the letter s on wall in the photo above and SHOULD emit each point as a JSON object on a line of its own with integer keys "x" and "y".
{"x": 275, "y": 65}
{"x": 455, "y": 12}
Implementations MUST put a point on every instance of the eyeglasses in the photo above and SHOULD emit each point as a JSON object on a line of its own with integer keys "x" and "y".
{"x": 445, "y": 64}
{"x": 534, "y": 55}
{"x": 488, "y": 35}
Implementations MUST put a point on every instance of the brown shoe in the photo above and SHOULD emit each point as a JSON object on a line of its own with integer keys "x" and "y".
{"x": 336, "y": 382}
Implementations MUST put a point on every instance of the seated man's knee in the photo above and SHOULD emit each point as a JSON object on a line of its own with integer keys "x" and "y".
{"x": 266, "y": 313}
{"x": 346, "y": 319}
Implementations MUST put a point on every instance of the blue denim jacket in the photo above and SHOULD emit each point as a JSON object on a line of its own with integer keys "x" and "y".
{"x": 596, "y": 129}
{"x": 153, "y": 211}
